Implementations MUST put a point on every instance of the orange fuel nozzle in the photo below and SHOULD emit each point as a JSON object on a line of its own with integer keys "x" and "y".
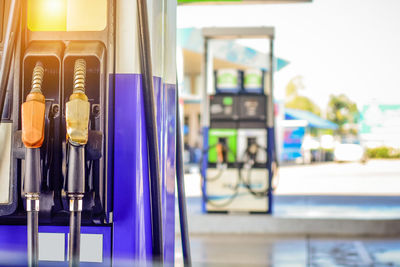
{"x": 33, "y": 111}
{"x": 220, "y": 152}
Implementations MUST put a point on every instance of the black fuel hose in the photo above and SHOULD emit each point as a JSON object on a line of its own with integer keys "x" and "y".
{"x": 152, "y": 132}
{"x": 204, "y": 179}
{"x": 220, "y": 170}
{"x": 180, "y": 185}
{"x": 8, "y": 49}
{"x": 250, "y": 162}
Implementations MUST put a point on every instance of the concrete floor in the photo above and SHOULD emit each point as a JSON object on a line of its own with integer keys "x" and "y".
{"x": 375, "y": 178}
{"x": 324, "y": 215}
{"x": 265, "y": 250}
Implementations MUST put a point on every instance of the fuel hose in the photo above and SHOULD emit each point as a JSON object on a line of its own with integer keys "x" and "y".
{"x": 249, "y": 164}
{"x": 8, "y": 49}
{"x": 180, "y": 181}
{"x": 235, "y": 189}
{"x": 33, "y": 121}
{"x": 77, "y": 124}
{"x": 152, "y": 132}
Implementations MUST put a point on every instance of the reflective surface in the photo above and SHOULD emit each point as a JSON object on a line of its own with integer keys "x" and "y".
{"x": 264, "y": 250}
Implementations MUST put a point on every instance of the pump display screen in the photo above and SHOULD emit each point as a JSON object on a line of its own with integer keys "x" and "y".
{"x": 67, "y": 15}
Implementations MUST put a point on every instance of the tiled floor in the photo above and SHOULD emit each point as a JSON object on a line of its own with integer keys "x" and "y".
{"x": 262, "y": 250}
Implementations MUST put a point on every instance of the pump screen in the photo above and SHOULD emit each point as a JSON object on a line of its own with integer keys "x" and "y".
{"x": 67, "y": 15}
{"x": 5, "y": 161}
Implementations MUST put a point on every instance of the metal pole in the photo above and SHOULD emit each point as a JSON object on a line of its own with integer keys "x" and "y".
{"x": 270, "y": 126}
{"x": 180, "y": 180}
{"x": 270, "y": 115}
{"x": 272, "y": 99}
{"x": 205, "y": 117}
{"x": 9, "y": 42}
{"x": 151, "y": 130}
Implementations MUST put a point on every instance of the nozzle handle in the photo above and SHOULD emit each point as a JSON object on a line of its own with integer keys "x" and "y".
{"x": 32, "y": 171}
{"x": 76, "y": 170}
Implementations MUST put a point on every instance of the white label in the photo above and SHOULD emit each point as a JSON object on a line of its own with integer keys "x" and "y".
{"x": 51, "y": 247}
{"x": 5, "y": 161}
{"x": 91, "y": 248}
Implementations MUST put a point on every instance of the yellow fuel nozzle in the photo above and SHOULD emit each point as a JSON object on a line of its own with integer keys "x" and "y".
{"x": 33, "y": 111}
{"x": 77, "y": 117}
{"x": 78, "y": 107}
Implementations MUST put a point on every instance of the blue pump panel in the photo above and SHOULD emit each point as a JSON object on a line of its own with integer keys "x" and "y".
{"x": 53, "y": 245}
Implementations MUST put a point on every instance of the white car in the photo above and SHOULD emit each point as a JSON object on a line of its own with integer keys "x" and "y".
{"x": 350, "y": 153}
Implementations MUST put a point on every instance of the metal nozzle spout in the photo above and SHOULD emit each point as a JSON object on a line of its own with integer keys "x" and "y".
{"x": 37, "y": 78}
{"x": 79, "y": 76}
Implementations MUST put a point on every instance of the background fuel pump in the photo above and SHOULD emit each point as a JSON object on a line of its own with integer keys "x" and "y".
{"x": 237, "y": 177}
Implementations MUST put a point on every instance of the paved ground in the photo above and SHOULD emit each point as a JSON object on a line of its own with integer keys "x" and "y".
{"x": 260, "y": 250}
{"x": 348, "y": 199}
{"x": 376, "y": 177}
{"x": 330, "y": 190}
{"x": 331, "y": 207}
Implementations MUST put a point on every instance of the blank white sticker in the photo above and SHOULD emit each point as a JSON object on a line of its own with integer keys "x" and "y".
{"x": 51, "y": 247}
{"x": 91, "y": 248}
{"x": 5, "y": 160}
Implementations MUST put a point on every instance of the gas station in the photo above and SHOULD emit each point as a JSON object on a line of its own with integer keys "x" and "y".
{"x": 93, "y": 99}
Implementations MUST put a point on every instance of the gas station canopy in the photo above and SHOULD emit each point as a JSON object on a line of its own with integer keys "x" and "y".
{"x": 312, "y": 120}
{"x": 228, "y": 53}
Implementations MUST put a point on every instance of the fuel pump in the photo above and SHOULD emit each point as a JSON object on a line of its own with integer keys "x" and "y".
{"x": 77, "y": 120}
{"x": 82, "y": 138}
{"x": 33, "y": 121}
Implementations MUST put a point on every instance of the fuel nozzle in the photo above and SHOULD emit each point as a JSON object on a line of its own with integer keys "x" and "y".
{"x": 222, "y": 151}
{"x": 252, "y": 149}
{"x": 77, "y": 118}
{"x": 33, "y": 117}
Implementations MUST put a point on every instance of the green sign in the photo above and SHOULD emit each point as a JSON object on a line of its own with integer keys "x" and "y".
{"x": 214, "y": 136}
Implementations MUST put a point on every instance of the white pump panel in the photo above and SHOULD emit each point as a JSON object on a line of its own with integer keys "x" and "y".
{"x": 261, "y": 139}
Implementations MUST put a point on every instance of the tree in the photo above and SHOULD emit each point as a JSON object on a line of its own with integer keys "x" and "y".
{"x": 295, "y": 100}
{"x": 343, "y": 112}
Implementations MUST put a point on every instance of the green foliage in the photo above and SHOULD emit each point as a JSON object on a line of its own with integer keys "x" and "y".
{"x": 293, "y": 87}
{"x": 303, "y": 103}
{"x": 383, "y": 153}
{"x": 295, "y": 100}
{"x": 343, "y": 112}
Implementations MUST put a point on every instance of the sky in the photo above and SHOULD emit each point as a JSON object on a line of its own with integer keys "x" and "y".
{"x": 337, "y": 46}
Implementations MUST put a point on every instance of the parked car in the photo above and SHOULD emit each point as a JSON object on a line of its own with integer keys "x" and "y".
{"x": 350, "y": 152}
